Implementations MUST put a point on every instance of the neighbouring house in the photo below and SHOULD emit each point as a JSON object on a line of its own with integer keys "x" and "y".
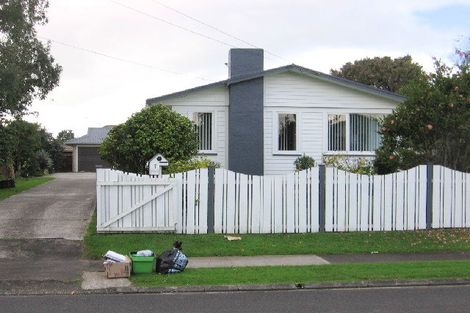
{"x": 259, "y": 121}
{"x": 86, "y": 157}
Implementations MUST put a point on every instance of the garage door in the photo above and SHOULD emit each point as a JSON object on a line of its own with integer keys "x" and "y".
{"x": 89, "y": 159}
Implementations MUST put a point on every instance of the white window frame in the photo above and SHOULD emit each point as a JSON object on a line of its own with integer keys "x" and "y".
{"x": 213, "y": 151}
{"x": 348, "y": 150}
{"x": 275, "y": 141}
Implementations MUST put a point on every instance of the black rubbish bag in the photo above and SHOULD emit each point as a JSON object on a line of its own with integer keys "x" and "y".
{"x": 172, "y": 261}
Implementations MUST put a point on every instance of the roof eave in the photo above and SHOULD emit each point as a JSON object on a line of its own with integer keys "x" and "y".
{"x": 184, "y": 92}
{"x": 294, "y": 68}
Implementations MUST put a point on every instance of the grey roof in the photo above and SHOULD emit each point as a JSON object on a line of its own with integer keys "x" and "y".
{"x": 94, "y": 136}
{"x": 288, "y": 68}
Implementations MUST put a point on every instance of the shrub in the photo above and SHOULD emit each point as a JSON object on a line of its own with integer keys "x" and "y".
{"x": 155, "y": 129}
{"x": 350, "y": 164}
{"x": 184, "y": 166}
{"x": 304, "y": 162}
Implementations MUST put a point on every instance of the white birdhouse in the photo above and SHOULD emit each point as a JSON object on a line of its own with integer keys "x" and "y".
{"x": 156, "y": 163}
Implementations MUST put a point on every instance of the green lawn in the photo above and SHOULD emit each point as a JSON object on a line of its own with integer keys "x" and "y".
{"x": 23, "y": 184}
{"x": 308, "y": 274}
{"x": 448, "y": 240}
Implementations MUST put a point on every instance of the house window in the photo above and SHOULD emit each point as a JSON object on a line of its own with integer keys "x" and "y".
{"x": 360, "y": 129}
{"x": 203, "y": 123}
{"x": 363, "y": 132}
{"x": 287, "y": 136}
{"x": 336, "y": 132}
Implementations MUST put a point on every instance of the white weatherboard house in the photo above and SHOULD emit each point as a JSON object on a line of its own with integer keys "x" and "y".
{"x": 259, "y": 121}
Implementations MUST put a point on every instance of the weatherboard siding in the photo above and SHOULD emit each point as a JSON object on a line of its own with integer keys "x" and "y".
{"x": 215, "y": 101}
{"x": 311, "y": 99}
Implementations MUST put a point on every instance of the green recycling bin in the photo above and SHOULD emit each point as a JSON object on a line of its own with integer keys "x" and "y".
{"x": 142, "y": 264}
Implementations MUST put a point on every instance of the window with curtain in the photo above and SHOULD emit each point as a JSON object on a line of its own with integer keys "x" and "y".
{"x": 363, "y": 134}
{"x": 336, "y": 132}
{"x": 204, "y": 130}
{"x": 362, "y": 130}
{"x": 287, "y": 137}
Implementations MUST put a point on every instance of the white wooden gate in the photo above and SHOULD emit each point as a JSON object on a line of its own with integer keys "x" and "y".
{"x": 131, "y": 202}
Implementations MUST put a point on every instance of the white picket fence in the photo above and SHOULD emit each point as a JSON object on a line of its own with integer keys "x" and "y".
{"x": 266, "y": 204}
{"x": 451, "y": 198}
{"x": 375, "y": 203}
{"x": 281, "y": 204}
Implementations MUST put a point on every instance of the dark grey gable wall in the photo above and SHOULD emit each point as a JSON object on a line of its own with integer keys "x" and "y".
{"x": 245, "y": 128}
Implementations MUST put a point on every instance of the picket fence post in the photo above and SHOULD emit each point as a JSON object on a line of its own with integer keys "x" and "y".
{"x": 429, "y": 193}
{"x": 210, "y": 199}
{"x": 321, "y": 197}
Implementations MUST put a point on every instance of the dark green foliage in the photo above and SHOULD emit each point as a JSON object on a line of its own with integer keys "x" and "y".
{"x": 432, "y": 125}
{"x": 27, "y": 70}
{"x": 155, "y": 129}
{"x": 36, "y": 151}
{"x": 304, "y": 162}
{"x": 382, "y": 72}
{"x": 184, "y": 166}
{"x": 65, "y": 135}
{"x": 24, "y": 150}
{"x": 5, "y": 143}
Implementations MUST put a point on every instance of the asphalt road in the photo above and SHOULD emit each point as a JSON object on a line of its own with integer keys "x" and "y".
{"x": 417, "y": 299}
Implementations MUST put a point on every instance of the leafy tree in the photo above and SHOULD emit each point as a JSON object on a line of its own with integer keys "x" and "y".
{"x": 65, "y": 135}
{"x": 27, "y": 70}
{"x": 36, "y": 152}
{"x": 24, "y": 152}
{"x": 382, "y": 72}
{"x": 55, "y": 150}
{"x": 432, "y": 125}
{"x": 155, "y": 129}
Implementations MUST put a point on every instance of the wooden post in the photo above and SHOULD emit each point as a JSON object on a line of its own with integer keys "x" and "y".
{"x": 210, "y": 199}
{"x": 429, "y": 187}
{"x": 321, "y": 197}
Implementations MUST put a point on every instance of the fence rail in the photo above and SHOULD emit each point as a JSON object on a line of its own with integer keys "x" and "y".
{"x": 318, "y": 199}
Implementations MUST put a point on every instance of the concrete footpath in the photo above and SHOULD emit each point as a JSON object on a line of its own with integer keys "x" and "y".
{"x": 298, "y": 260}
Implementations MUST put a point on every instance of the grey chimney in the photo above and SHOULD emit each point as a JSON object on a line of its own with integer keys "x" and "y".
{"x": 242, "y": 62}
{"x": 245, "y": 127}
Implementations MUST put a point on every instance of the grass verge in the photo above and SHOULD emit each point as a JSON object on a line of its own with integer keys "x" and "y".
{"x": 23, "y": 184}
{"x": 308, "y": 274}
{"x": 443, "y": 240}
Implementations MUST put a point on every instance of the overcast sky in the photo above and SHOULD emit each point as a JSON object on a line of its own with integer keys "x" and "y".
{"x": 153, "y": 49}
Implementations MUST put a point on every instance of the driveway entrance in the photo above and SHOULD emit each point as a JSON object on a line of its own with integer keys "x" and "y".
{"x": 41, "y": 232}
{"x": 58, "y": 209}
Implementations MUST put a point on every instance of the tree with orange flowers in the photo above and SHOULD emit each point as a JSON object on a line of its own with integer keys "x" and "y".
{"x": 431, "y": 125}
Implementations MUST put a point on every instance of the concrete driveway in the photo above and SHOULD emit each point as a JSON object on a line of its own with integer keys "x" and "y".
{"x": 41, "y": 232}
{"x": 58, "y": 209}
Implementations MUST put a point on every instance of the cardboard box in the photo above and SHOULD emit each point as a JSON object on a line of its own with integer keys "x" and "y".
{"x": 118, "y": 270}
